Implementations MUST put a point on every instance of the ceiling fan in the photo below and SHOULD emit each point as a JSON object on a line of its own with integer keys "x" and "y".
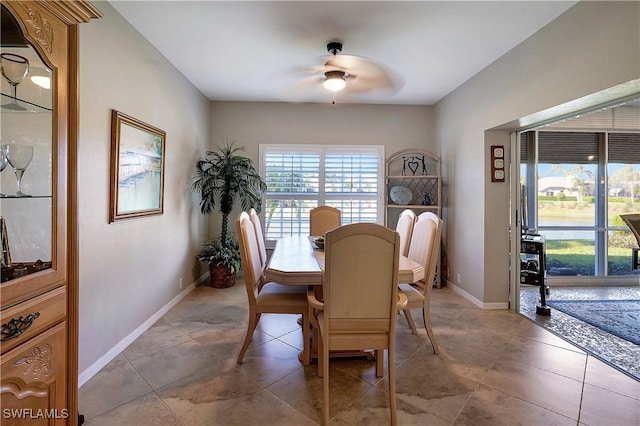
{"x": 354, "y": 74}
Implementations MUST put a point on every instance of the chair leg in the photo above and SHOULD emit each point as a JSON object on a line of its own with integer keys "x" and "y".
{"x": 306, "y": 349}
{"x": 407, "y": 315}
{"x": 325, "y": 382}
{"x": 379, "y": 363}
{"x": 392, "y": 383}
{"x": 427, "y": 326}
{"x": 253, "y": 322}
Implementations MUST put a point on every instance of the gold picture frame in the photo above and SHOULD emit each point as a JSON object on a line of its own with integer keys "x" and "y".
{"x": 137, "y": 168}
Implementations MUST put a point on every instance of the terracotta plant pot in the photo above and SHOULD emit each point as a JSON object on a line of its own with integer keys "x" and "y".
{"x": 221, "y": 276}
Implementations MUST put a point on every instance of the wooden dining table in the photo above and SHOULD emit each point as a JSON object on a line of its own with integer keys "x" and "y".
{"x": 296, "y": 261}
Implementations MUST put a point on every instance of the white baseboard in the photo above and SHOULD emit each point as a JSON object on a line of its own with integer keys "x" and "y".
{"x": 92, "y": 370}
{"x": 479, "y": 303}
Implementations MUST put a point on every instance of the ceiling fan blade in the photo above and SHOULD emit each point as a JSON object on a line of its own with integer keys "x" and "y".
{"x": 304, "y": 89}
{"x": 355, "y": 65}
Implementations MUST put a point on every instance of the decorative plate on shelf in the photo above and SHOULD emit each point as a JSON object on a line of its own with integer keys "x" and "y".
{"x": 400, "y": 194}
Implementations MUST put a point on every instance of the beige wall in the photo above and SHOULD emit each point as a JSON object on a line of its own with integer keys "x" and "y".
{"x": 592, "y": 47}
{"x": 254, "y": 123}
{"x": 130, "y": 270}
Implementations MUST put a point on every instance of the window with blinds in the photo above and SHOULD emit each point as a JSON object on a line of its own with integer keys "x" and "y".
{"x": 301, "y": 177}
{"x": 624, "y": 148}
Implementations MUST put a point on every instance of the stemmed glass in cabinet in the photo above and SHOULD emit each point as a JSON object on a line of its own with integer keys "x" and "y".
{"x": 14, "y": 68}
{"x": 4, "y": 162}
{"x": 19, "y": 157}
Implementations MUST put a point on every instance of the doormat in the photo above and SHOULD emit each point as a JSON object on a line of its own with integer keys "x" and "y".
{"x": 618, "y": 317}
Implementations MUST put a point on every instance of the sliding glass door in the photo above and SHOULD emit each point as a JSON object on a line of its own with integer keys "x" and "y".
{"x": 576, "y": 184}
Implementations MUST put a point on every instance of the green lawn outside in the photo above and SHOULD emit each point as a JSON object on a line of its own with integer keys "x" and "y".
{"x": 579, "y": 255}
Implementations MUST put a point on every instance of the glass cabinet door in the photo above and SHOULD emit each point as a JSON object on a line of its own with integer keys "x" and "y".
{"x": 27, "y": 156}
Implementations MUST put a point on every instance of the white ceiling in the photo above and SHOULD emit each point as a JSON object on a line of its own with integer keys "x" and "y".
{"x": 255, "y": 51}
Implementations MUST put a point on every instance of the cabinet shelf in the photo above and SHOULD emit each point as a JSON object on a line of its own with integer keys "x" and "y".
{"x": 30, "y": 197}
{"x": 29, "y": 107}
{"x": 413, "y": 206}
{"x": 409, "y": 177}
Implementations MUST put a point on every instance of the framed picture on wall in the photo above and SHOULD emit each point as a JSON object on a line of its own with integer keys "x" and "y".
{"x": 137, "y": 168}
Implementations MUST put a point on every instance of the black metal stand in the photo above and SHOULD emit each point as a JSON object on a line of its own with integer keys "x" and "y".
{"x": 533, "y": 268}
{"x": 542, "y": 308}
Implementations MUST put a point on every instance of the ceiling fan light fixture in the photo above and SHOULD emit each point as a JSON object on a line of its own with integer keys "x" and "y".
{"x": 334, "y": 80}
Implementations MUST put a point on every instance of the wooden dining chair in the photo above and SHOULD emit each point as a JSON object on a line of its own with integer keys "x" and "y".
{"x": 267, "y": 297}
{"x": 404, "y": 227}
{"x": 360, "y": 299}
{"x": 424, "y": 249}
{"x": 323, "y": 219}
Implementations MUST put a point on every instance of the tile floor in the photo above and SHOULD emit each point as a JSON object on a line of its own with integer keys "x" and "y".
{"x": 494, "y": 368}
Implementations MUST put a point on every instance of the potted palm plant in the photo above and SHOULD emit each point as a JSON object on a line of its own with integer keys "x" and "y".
{"x": 222, "y": 177}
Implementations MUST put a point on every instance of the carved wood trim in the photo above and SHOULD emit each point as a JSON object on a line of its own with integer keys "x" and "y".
{"x": 42, "y": 28}
{"x": 38, "y": 361}
{"x": 22, "y": 390}
{"x": 71, "y": 12}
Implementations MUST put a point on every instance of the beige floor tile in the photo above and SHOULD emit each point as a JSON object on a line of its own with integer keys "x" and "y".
{"x": 160, "y": 336}
{"x": 262, "y": 408}
{"x": 601, "y": 407}
{"x": 207, "y": 393}
{"x": 176, "y": 362}
{"x": 278, "y": 325}
{"x": 470, "y": 364}
{"x": 493, "y": 408}
{"x": 603, "y": 376}
{"x": 547, "y": 357}
{"x": 270, "y": 362}
{"x": 117, "y": 383}
{"x": 148, "y": 410}
{"x": 293, "y": 338}
{"x": 408, "y": 343}
{"x": 539, "y": 334}
{"x": 372, "y": 408}
{"x": 303, "y": 390}
{"x": 362, "y": 368}
{"x": 426, "y": 383}
{"x": 225, "y": 340}
{"x": 540, "y": 387}
{"x": 473, "y": 338}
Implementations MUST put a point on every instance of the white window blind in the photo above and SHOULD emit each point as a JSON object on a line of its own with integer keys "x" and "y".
{"x": 301, "y": 177}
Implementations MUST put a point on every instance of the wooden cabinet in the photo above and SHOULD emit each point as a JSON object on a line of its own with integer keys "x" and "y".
{"x": 413, "y": 181}
{"x": 39, "y": 282}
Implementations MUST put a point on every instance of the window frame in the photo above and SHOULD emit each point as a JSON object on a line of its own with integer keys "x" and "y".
{"x": 322, "y": 196}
